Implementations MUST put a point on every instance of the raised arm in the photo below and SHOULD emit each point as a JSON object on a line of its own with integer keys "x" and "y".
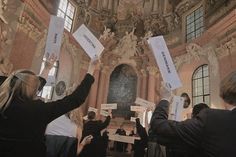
{"x": 104, "y": 124}
{"x": 171, "y": 132}
{"x": 57, "y": 108}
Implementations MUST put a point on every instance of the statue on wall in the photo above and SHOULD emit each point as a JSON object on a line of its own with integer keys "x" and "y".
{"x": 127, "y": 44}
{"x": 194, "y": 50}
{"x": 5, "y": 65}
{"x": 3, "y": 7}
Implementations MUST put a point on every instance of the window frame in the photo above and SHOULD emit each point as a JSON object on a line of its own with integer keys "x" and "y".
{"x": 201, "y": 78}
{"x": 69, "y": 2}
{"x": 184, "y": 21}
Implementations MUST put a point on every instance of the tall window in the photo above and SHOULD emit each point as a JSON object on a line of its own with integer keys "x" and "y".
{"x": 200, "y": 84}
{"x": 47, "y": 90}
{"x": 194, "y": 24}
{"x": 66, "y": 10}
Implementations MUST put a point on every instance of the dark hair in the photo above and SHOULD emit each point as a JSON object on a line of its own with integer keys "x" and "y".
{"x": 228, "y": 89}
{"x": 91, "y": 115}
{"x": 187, "y": 101}
{"x": 198, "y": 108}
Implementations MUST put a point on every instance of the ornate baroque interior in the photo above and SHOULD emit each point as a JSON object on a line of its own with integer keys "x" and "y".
{"x": 128, "y": 68}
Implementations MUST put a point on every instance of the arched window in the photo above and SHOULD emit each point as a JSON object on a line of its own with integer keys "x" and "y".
{"x": 201, "y": 85}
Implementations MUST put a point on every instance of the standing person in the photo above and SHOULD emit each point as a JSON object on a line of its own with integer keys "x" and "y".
{"x": 93, "y": 127}
{"x": 182, "y": 150}
{"x": 121, "y": 146}
{"x": 212, "y": 131}
{"x": 23, "y": 119}
{"x": 140, "y": 145}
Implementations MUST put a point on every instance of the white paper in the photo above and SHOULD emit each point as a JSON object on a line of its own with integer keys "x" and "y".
{"x": 125, "y": 139}
{"x": 85, "y": 117}
{"x": 112, "y": 106}
{"x": 104, "y": 113}
{"x": 51, "y": 80}
{"x": 88, "y": 41}
{"x": 54, "y": 37}
{"x": 144, "y": 103}
{"x": 177, "y": 108}
{"x": 137, "y": 108}
{"x": 164, "y": 61}
{"x": 133, "y": 119}
{"x": 93, "y": 109}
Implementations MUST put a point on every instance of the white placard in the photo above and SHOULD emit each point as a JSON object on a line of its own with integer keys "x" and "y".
{"x": 112, "y": 106}
{"x": 133, "y": 119}
{"x": 177, "y": 108}
{"x": 54, "y": 37}
{"x": 164, "y": 61}
{"x": 51, "y": 80}
{"x": 93, "y": 109}
{"x": 104, "y": 113}
{"x": 144, "y": 103}
{"x": 137, "y": 108}
{"x": 125, "y": 139}
{"x": 88, "y": 41}
{"x": 85, "y": 117}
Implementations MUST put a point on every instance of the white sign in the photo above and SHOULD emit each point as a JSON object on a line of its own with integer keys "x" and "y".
{"x": 177, "y": 108}
{"x": 137, "y": 108}
{"x": 144, "y": 103}
{"x": 85, "y": 117}
{"x": 133, "y": 119}
{"x": 125, "y": 139}
{"x": 104, "y": 113}
{"x": 88, "y": 41}
{"x": 55, "y": 34}
{"x": 164, "y": 61}
{"x": 92, "y": 109}
{"x": 109, "y": 106}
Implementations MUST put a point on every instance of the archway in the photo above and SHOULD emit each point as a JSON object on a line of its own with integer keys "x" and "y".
{"x": 122, "y": 90}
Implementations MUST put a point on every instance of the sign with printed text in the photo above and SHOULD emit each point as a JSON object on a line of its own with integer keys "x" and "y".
{"x": 137, "y": 108}
{"x": 109, "y": 106}
{"x": 133, "y": 119}
{"x": 125, "y": 139}
{"x": 93, "y": 109}
{"x": 88, "y": 41}
{"x": 54, "y": 37}
{"x": 164, "y": 62}
{"x": 144, "y": 103}
{"x": 177, "y": 108}
{"x": 104, "y": 113}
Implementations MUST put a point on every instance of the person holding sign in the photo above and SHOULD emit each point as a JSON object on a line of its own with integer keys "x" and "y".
{"x": 212, "y": 131}
{"x": 23, "y": 119}
{"x": 94, "y": 127}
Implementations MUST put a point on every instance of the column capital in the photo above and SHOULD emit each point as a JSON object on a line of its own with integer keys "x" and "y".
{"x": 105, "y": 69}
{"x": 143, "y": 72}
{"x": 152, "y": 70}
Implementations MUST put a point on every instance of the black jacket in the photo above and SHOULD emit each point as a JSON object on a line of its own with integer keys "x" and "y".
{"x": 213, "y": 131}
{"x": 23, "y": 127}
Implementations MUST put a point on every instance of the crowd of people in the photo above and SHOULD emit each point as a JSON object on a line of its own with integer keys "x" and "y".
{"x": 31, "y": 127}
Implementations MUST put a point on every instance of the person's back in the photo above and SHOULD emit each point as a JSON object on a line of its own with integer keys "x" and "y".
{"x": 220, "y": 133}
{"x": 212, "y": 130}
{"x": 93, "y": 127}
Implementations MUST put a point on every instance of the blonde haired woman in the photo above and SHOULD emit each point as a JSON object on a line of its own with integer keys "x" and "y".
{"x": 23, "y": 120}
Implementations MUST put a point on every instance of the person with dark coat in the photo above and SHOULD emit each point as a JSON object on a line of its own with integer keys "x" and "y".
{"x": 182, "y": 150}
{"x": 212, "y": 131}
{"x": 140, "y": 145}
{"x": 121, "y": 146}
{"x": 23, "y": 120}
{"x": 93, "y": 127}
